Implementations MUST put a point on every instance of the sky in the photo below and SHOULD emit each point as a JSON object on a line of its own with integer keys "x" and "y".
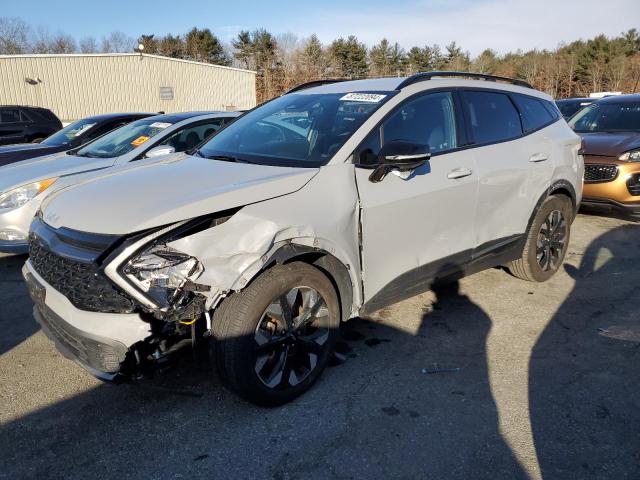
{"x": 502, "y": 25}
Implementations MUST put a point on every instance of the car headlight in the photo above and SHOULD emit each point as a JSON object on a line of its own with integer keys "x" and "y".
{"x": 19, "y": 196}
{"x": 162, "y": 272}
{"x": 633, "y": 156}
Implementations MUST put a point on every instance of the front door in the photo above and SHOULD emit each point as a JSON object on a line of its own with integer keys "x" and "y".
{"x": 418, "y": 228}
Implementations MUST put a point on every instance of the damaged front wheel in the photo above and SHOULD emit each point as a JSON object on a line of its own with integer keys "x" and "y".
{"x": 274, "y": 338}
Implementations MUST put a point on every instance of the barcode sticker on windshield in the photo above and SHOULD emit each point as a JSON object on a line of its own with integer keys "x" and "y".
{"x": 160, "y": 125}
{"x": 363, "y": 97}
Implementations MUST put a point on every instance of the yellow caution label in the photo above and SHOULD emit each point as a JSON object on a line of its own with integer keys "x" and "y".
{"x": 140, "y": 140}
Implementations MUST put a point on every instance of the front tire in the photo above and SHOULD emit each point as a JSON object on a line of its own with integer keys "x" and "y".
{"x": 273, "y": 339}
{"x": 547, "y": 241}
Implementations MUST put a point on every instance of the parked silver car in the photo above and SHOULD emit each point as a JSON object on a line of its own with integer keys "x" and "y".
{"x": 23, "y": 185}
{"x": 327, "y": 203}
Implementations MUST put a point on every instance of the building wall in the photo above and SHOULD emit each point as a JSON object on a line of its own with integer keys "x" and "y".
{"x": 76, "y": 86}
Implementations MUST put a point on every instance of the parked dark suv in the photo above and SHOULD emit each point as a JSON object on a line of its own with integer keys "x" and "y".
{"x": 72, "y": 136}
{"x": 26, "y": 124}
{"x": 569, "y": 106}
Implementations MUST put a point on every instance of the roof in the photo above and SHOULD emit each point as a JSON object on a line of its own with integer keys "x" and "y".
{"x": 87, "y": 55}
{"x": 180, "y": 116}
{"x": 630, "y": 98}
{"x": 24, "y": 106}
{"x": 446, "y": 78}
{"x": 369, "y": 84}
{"x": 576, "y": 99}
{"x": 109, "y": 116}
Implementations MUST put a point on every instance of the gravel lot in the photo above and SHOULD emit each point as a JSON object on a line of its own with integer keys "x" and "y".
{"x": 548, "y": 386}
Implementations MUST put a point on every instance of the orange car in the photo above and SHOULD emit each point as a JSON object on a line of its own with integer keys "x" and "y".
{"x": 610, "y": 131}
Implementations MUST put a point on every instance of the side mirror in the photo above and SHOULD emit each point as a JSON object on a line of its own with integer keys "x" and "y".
{"x": 160, "y": 150}
{"x": 401, "y": 156}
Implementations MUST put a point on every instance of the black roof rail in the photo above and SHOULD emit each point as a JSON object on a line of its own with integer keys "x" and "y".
{"x": 422, "y": 76}
{"x": 315, "y": 83}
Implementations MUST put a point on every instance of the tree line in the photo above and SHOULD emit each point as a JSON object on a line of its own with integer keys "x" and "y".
{"x": 283, "y": 61}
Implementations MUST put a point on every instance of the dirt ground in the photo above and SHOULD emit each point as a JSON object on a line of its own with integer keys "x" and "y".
{"x": 491, "y": 378}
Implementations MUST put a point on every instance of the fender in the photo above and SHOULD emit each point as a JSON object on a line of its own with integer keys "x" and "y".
{"x": 331, "y": 266}
{"x": 559, "y": 186}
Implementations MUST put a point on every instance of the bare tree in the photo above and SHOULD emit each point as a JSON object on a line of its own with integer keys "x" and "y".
{"x": 118, "y": 42}
{"x": 63, "y": 43}
{"x": 88, "y": 45}
{"x": 14, "y": 36}
{"x": 41, "y": 41}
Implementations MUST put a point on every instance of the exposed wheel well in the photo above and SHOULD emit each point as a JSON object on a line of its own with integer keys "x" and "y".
{"x": 563, "y": 187}
{"x": 333, "y": 268}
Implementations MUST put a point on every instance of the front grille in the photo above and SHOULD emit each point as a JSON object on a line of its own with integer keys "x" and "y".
{"x": 86, "y": 287}
{"x": 103, "y": 355}
{"x": 594, "y": 173}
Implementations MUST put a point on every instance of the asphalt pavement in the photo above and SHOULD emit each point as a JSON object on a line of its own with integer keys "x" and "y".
{"x": 490, "y": 378}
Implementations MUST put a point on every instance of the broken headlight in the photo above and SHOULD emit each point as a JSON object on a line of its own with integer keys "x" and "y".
{"x": 162, "y": 272}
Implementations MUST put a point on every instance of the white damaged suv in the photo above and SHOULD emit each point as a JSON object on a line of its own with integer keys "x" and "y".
{"x": 321, "y": 205}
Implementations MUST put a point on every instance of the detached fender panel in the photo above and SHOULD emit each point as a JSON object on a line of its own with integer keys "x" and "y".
{"x": 322, "y": 216}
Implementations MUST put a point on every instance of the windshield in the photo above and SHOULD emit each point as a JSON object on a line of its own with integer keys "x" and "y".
{"x": 123, "y": 139}
{"x": 298, "y": 130}
{"x": 68, "y": 133}
{"x": 607, "y": 117}
{"x": 569, "y": 107}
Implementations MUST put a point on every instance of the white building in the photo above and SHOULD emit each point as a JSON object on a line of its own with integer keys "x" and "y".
{"x": 79, "y": 85}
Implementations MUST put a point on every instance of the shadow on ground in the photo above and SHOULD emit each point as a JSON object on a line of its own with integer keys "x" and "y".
{"x": 405, "y": 404}
{"x": 15, "y": 304}
{"x": 584, "y": 379}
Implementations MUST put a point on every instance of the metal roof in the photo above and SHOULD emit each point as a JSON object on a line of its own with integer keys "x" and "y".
{"x": 85, "y": 55}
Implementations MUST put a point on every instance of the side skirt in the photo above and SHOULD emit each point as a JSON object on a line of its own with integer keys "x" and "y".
{"x": 421, "y": 279}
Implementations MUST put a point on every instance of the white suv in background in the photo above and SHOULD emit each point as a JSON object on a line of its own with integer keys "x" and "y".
{"x": 321, "y": 205}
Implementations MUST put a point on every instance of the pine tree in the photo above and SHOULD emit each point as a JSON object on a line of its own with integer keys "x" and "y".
{"x": 313, "y": 61}
{"x": 258, "y": 50}
{"x": 350, "y": 58}
{"x": 387, "y": 60}
{"x": 204, "y": 46}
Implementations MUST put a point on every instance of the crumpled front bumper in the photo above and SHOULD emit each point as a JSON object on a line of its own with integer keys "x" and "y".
{"x": 99, "y": 342}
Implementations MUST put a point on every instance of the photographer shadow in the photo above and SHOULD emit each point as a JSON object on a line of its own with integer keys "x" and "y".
{"x": 584, "y": 368}
{"x": 14, "y": 301}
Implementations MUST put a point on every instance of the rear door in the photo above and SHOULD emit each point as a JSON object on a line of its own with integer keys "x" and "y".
{"x": 514, "y": 165}
{"x": 502, "y": 166}
{"x": 417, "y": 228}
{"x": 11, "y": 126}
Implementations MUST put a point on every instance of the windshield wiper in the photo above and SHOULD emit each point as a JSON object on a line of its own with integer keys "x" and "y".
{"x": 227, "y": 158}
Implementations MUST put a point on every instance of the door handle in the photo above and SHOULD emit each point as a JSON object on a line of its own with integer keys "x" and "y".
{"x": 538, "y": 157}
{"x": 459, "y": 173}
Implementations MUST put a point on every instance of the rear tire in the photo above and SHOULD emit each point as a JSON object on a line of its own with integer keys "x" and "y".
{"x": 272, "y": 340}
{"x": 547, "y": 241}
{"x": 37, "y": 140}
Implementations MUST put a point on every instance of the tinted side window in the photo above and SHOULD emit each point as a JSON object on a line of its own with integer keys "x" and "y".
{"x": 425, "y": 120}
{"x": 192, "y": 135}
{"x": 24, "y": 117}
{"x": 9, "y": 115}
{"x": 534, "y": 114}
{"x": 492, "y": 117}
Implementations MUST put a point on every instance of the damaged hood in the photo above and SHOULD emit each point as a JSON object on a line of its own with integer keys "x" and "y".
{"x": 179, "y": 187}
